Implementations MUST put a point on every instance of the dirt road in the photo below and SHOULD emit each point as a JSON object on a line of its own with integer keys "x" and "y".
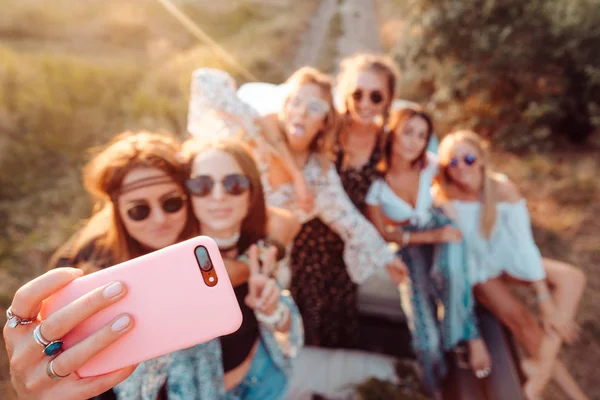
{"x": 357, "y": 31}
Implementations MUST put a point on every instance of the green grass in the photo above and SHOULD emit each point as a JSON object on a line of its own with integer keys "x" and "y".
{"x": 75, "y": 73}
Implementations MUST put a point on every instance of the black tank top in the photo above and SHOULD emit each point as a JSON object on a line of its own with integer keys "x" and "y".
{"x": 237, "y": 346}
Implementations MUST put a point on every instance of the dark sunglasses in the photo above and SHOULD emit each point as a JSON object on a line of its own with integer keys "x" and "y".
{"x": 202, "y": 185}
{"x": 376, "y": 96}
{"x": 141, "y": 210}
{"x": 469, "y": 160}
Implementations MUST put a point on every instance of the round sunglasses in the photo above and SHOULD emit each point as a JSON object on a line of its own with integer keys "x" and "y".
{"x": 376, "y": 96}
{"x": 468, "y": 159}
{"x": 142, "y": 209}
{"x": 233, "y": 184}
{"x": 315, "y": 107}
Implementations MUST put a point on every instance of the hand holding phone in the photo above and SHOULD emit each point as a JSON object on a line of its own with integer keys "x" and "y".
{"x": 25, "y": 356}
{"x": 179, "y": 296}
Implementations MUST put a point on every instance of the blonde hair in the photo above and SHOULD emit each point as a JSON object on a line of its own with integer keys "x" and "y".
{"x": 324, "y": 140}
{"x": 490, "y": 178}
{"x": 351, "y": 66}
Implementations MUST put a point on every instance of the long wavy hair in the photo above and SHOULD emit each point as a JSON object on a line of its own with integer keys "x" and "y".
{"x": 103, "y": 177}
{"x": 323, "y": 142}
{"x": 397, "y": 120}
{"x": 350, "y": 67}
{"x": 254, "y": 225}
{"x": 490, "y": 178}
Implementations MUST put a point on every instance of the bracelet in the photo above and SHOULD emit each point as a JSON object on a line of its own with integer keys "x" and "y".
{"x": 543, "y": 297}
{"x": 284, "y": 319}
{"x": 405, "y": 238}
{"x": 274, "y": 320}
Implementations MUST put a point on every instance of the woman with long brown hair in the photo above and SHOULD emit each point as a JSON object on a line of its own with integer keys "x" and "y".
{"x": 254, "y": 362}
{"x": 496, "y": 228}
{"x": 401, "y": 207}
{"x": 139, "y": 182}
{"x": 120, "y": 228}
{"x": 141, "y": 206}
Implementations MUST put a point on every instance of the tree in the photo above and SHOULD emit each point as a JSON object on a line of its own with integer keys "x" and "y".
{"x": 517, "y": 71}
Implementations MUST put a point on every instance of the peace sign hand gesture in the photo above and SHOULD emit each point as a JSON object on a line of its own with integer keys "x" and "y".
{"x": 263, "y": 292}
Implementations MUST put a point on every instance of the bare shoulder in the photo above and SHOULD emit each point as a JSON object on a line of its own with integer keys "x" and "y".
{"x": 270, "y": 123}
{"x": 278, "y": 174}
{"x": 283, "y": 225}
{"x": 437, "y": 195}
{"x": 506, "y": 190}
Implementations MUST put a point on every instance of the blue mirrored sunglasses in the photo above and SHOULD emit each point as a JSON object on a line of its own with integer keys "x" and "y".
{"x": 469, "y": 160}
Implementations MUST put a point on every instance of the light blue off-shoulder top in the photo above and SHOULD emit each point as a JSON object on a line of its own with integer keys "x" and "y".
{"x": 398, "y": 210}
{"x": 510, "y": 249}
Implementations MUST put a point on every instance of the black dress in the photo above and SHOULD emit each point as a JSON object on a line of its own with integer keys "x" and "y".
{"x": 321, "y": 286}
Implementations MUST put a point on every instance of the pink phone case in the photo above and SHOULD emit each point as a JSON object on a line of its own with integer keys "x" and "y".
{"x": 172, "y": 307}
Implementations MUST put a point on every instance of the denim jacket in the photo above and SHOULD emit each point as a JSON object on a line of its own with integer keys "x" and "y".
{"x": 196, "y": 373}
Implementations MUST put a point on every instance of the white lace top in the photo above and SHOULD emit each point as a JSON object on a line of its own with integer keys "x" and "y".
{"x": 365, "y": 251}
{"x": 216, "y": 110}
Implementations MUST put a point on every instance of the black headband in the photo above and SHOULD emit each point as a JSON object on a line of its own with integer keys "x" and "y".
{"x": 142, "y": 183}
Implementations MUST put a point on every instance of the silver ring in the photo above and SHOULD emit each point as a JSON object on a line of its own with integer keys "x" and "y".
{"x": 39, "y": 338}
{"x": 51, "y": 373}
{"x": 483, "y": 373}
{"x": 14, "y": 320}
{"x": 51, "y": 348}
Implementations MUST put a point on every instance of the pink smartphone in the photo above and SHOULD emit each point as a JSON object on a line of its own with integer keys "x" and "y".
{"x": 179, "y": 296}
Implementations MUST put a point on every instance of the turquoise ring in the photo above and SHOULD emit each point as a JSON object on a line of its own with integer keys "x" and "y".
{"x": 51, "y": 348}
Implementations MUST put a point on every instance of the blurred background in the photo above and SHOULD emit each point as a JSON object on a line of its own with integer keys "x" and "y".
{"x": 524, "y": 74}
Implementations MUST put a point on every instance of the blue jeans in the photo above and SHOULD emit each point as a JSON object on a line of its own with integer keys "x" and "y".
{"x": 264, "y": 381}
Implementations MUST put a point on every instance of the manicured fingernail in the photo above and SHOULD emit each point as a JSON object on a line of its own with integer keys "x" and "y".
{"x": 121, "y": 323}
{"x": 113, "y": 290}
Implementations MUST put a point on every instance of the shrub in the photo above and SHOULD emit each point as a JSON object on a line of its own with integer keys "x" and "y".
{"x": 516, "y": 71}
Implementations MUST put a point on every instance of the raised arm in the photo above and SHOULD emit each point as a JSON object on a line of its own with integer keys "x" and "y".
{"x": 365, "y": 250}
{"x": 377, "y": 218}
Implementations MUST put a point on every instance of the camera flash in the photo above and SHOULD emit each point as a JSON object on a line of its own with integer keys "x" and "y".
{"x": 211, "y": 279}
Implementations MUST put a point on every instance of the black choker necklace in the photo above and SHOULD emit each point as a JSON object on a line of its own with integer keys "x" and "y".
{"x": 228, "y": 249}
